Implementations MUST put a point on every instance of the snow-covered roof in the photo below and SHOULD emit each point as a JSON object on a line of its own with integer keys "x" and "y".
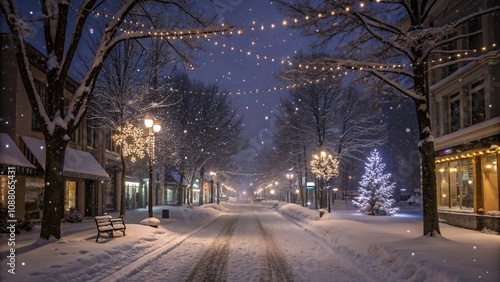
{"x": 10, "y": 154}
{"x": 76, "y": 163}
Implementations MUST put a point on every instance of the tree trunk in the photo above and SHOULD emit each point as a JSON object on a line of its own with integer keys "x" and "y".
{"x": 427, "y": 155}
{"x": 53, "y": 197}
{"x": 180, "y": 190}
{"x": 428, "y": 178}
{"x": 202, "y": 176}
{"x": 123, "y": 195}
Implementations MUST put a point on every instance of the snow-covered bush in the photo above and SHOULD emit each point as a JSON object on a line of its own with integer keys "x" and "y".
{"x": 375, "y": 191}
{"x": 150, "y": 221}
{"x": 72, "y": 215}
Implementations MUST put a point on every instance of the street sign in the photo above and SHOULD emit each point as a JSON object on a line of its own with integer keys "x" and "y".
{"x": 310, "y": 185}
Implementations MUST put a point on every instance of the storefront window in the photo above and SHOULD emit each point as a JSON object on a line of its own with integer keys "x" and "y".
{"x": 489, "y": 171}
{"x": 4, "y": 189}
{"x": 131, "y": 197}
{"x": 455, "y": 184}
{"x": 70, "y": 195}
{"x": 465, "y": 187}
{"x": 443, "y": 188}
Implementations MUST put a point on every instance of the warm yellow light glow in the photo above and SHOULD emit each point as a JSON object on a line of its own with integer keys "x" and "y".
{"x": 148, "y": 121}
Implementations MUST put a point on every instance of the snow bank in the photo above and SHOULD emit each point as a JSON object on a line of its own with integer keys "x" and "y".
{"x": 215, "y": 207}
{"x": 386, "y": 241}
{"x": 299, "y": 213}
{"x": 150, "y": 221}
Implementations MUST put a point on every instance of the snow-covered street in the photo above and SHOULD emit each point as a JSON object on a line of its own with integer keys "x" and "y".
{"x": 270, "y": 241}
{"x": 257, "y": 244}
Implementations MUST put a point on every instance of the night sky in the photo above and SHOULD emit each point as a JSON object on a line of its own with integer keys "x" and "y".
{"x": 249, "y": 67}
{"x": 240, "y": 72}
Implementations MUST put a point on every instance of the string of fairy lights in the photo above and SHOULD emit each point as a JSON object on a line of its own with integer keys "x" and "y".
{"x": 257, "y": 26}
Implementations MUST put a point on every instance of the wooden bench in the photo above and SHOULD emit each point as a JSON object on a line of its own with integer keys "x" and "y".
{"x": 108, "y": 224}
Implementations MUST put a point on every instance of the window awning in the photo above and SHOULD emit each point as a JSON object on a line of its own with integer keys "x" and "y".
{"x": 78, "y": 164}
{"x": 10, "y": 154}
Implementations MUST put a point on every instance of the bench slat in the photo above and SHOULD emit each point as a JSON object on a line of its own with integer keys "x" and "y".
{"x": 105, "y": 228}
{"x": 103, "y": 217}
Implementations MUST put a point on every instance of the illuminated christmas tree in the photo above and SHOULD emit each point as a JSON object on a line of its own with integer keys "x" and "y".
{"x": 375, "y": 191}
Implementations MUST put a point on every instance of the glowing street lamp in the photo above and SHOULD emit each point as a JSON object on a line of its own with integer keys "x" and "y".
{"x": 154, "y": 126}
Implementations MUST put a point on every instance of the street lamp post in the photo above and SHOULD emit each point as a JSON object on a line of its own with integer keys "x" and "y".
{"x": 334, "y": 195}
{"x": 154, "y": 127}
{"x": 212, "y": 174}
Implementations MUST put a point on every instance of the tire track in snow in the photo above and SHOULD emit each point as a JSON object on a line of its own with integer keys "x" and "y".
{"x": 274, "y": 266}
{"x": 213, "y": 264}
{"x": 127, "y": 271}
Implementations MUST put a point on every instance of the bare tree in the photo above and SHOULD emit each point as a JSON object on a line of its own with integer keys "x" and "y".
{"x": 327, "y": 115}
{"x": 392, "y": 41}
{"x": 58, "y": 120}
{"x": 206, "y": 129}
{"x": 127, "y": 89}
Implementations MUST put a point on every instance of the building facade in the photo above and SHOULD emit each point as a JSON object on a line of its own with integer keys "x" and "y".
{"x": 465, "y": 113}
{"x": 92, "y": 165}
